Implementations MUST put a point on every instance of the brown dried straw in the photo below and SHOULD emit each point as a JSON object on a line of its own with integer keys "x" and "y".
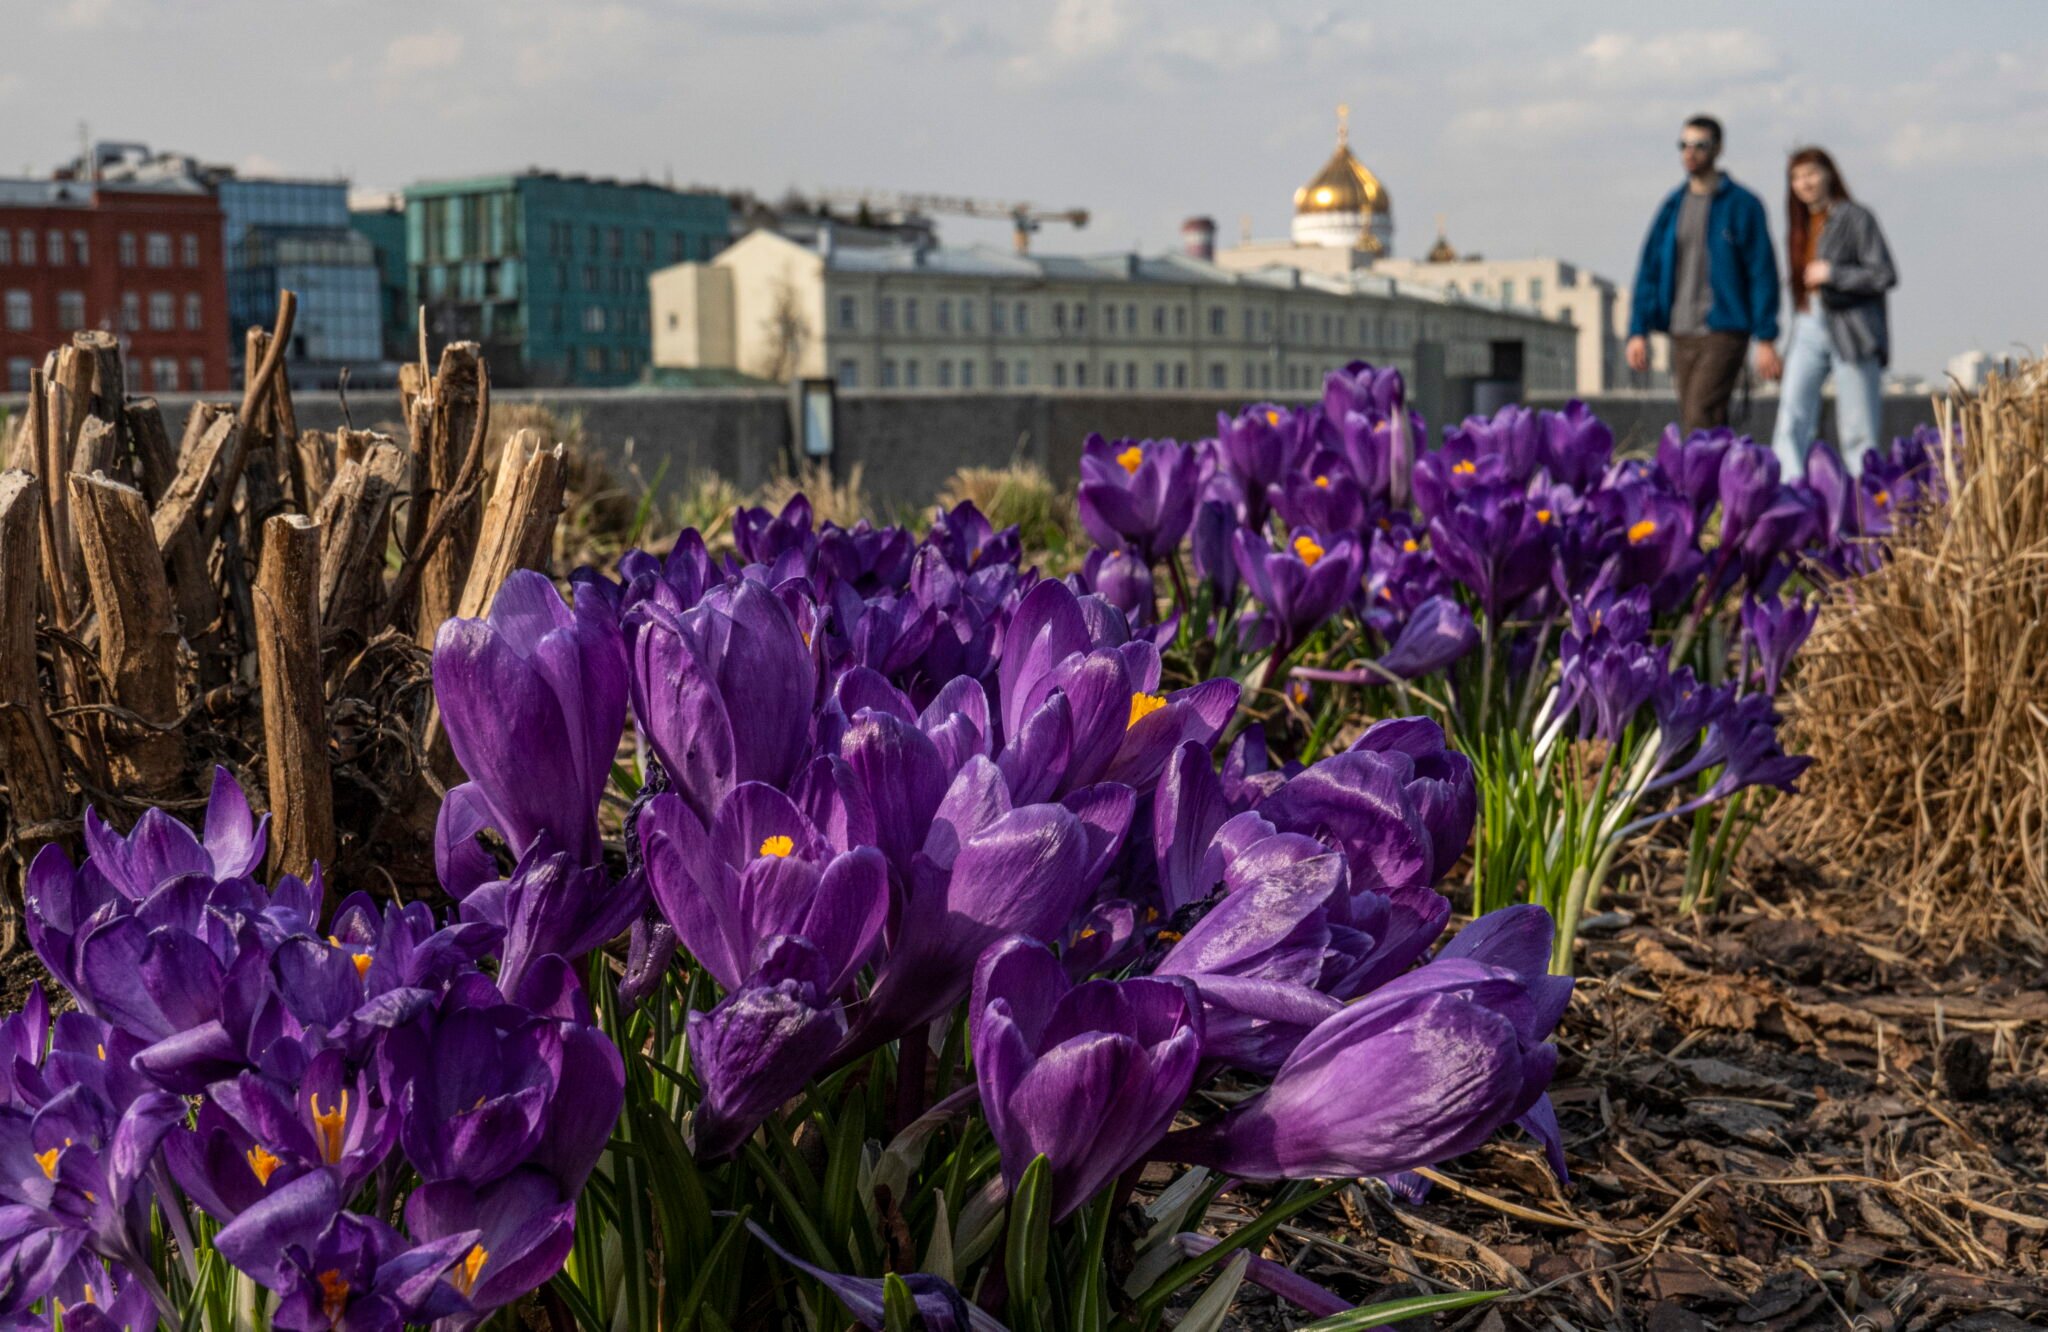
{"x": 1923, "y": 692}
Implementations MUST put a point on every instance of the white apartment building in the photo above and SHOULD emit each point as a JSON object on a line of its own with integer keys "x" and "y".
{"x": 937, "y": 318}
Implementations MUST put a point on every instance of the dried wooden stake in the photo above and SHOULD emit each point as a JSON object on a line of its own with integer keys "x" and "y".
{"x": 294, "y": 704}
{"x": 155, "y": 464}
{"x": 253, "y": 395}
{"x": 138, "y": 637}
{"x": 209, "y": 432}
{"x": 29, "y": 758}
{"x": 448, "y": 421}
{"x": 519, "y": 522}
{"x": 355, "y": 515}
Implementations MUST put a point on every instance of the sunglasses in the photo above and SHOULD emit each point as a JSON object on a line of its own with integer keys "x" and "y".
{"x": 1695, "y": 145}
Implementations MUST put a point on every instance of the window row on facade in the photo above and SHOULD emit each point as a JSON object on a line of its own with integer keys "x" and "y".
{"x": 965, "y": 373}
{"x": 1127, "y": 319}
{"x": 70, "y": 313}
{"x": 54, "y": 248}
{"x": 166, "y": 374}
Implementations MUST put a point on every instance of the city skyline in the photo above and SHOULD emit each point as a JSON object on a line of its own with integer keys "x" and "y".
{"x": 1532, "y": 133}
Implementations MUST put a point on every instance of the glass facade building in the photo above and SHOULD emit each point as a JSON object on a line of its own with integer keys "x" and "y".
{"x": 549, "y": 272}
{"x": 385, "y": 230}
{"x": 296, "y": 234}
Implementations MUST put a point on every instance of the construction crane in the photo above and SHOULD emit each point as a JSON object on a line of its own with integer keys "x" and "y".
{"x": 1024, "y": 218}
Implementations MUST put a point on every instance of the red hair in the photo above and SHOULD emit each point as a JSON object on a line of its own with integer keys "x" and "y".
{"x": 1798, "y": 218}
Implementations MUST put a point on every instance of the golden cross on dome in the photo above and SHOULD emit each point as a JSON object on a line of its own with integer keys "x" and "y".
{"x": 1343, "y": 123}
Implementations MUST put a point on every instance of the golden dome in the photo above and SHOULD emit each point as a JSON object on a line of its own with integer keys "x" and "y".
{"x": 1343, "y": 185}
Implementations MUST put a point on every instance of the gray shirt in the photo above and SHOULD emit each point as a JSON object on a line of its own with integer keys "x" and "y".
{"x": 1690, "y": 294}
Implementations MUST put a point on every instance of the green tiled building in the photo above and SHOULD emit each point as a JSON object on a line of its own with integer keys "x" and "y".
{"x": 549, "y": 272}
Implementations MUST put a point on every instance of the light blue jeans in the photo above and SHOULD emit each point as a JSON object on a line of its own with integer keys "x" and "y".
{"x": 1858, "y": 399}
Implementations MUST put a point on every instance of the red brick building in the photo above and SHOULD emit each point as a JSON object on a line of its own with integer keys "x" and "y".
{"x": 143, "y": 261}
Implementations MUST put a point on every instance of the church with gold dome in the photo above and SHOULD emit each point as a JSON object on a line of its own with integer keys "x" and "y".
{"x": 1345, "y": 206}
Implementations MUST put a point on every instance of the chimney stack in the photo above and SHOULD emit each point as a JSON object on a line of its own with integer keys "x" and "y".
{"x": 1198, "y": 238}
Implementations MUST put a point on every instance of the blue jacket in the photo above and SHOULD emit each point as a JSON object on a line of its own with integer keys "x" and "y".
{"x": 1742, "y": 270}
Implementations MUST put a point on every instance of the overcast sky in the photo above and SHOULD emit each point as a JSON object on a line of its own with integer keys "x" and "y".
{"x": 1535, "y": 129}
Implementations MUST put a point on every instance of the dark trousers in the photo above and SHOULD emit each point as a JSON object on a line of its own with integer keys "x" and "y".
{"x": 1704, "y": 367}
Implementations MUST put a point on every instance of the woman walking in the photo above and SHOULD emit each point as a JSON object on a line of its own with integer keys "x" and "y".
{"x": 1840, "y": 268}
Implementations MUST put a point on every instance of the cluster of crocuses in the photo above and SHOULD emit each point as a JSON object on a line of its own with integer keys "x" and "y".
{"x": 1479, "y": 571}
{"x": 341, "y": 1104}
{"x": 899, "y": 787}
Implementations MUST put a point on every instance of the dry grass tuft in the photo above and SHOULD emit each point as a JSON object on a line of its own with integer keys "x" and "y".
{"x": 1022, "y": 494}
{"x": 1923, "y": 693}
{"x": 832, "y": 500}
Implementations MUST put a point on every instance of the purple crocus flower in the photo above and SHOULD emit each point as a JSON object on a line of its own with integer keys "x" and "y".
{"x": 762, "y": 1044}
{"x": 1748, "y": 485}
{"x": 1303, "y": 583}
{"x": 1324, "y": 497}
{"x": 1610, "y": 683}
{"x": 1576, "y": 446}
{"x": 868, "y": 559}
{"x": 524, "y": 1227}
{"x": 160, "y": 848}
{"x": 968, "y": 542}
{"x": 1690, "y": 466}
{"x": 1454, "y": 1051}
{"x": 1654, "y": 533}
{"x": 1215, "y": 533}
{"x": 334, "y": 1269}
{"x": 1775, "y": 630}
{"x": 94, "y": 1295}
{"x": 1261, "y": 446}
{"x": 764, "y": 538}
{"x": 1359, "y": 802}
{"x": 760, "y": 872}
{"x": 724, "y": 692}
{"x": 1443, "y": 785}
{"x": 1124, "y": 581}
{"x": 263, "y": 1134}
{"x": 1492, "y": 540}
{"x": 534, "y": 697}
{"x": 1138, "y": 493}
{"x": 1438, "y": 633}
{"x": 1090, "y": 1077}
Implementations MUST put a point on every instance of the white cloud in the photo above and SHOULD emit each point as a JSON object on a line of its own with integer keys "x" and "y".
{"x": 1692, "y": 57}
{"x": 83, "y": 15}
{"x": 422, "y": 52}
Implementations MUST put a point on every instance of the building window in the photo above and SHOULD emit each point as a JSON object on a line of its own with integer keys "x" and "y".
{"x": 1023, "y": 375}
{"x": 1535, "y": 291}
{"x": 1265, "y": 376}
{"x": 127, "y": 249}
{"x": 26, "y": 246}
{"x": 70, "y": 310}
{"x": 1023, "y": 320}
{"x": 1130, "y": 374}
{"x": 80, "y": 252}
{"x": 1507, "y": 291}
{"x": 945, "y": 372}
{"x": 1109, "y": 369}
{"x": 966, "y": 374}
{"x": 1180, "y": 374}
{"x": 945, "y": 315}
{"x": 20, "y": 311}
{"x": 1080, "y": 374}
{"x": 1159, "y": 374}
{"x": 1059, "y": 374}
{"x": 1248, "y": 326}
{"x": 53, "y": 243}
{"x": 1251, "y": 376}
{"x": 1159, "y": 320}
{"x": 910, "y": 374}
{"x": 998, "y": 317}
{"x": 156, "y": 249}
{"x": 998, "y": 371}
{"x": 593, "y": 319}
{"x": 593, "y": 360}
{"x": 18, "y": 371}
{"x": 885, "y": 315}
{"x": 1130, "y": 318}
{"x": 6, "y": 247}
{"x": 1266, "y": 322}
{"x": 163, "y": 312}
{"x": 1216, "y": 320}
{"x": 910, "y": 322}
{"x": 188, "y": 246}
{"x": 131, "y": 311}
{"x": 1059, "y": 316}
{"x": 848, "y": 313}
{"x": 194, "y": 314}
{"x": 646, "y": 246}
{"x": 1108, "y": 318}
{"x": 1080, "y": 317}
{"x": 1219, "y": 376}
{"x": 888, "y": 374}
{"x": 195, "y": 369}
{"x": 1180, "y": 319}
{"x": 966, "y": 315}
{"x": 163, "y": 373}
{"x": 849, "y": 373}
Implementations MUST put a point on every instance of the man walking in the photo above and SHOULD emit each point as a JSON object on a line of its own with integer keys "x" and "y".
{"x": 1708, "y": 278}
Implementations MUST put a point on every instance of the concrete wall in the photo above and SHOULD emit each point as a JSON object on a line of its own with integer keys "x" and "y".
{"x": 908, "y": 443}
{"x": 1637, "y": 419}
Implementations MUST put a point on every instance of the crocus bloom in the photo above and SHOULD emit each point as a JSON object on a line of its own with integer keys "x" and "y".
{"x": 160, "y": 848}
{"x": 725, "y": 692}
{"x": 1576, "y": 447}
{"x": 534, "y": 697}
{"x": 523, "y": 1225}
{"x": 1303, "y": 583}
{"x": 551, "y": 904}
{"x": 969, "y": 542}
{"x": 1324, "y": 497}
{"x": 761, "y": 871}
{"x": 1262, "y": 446}
{"x": 763, "y": 538}
{"x": 762, "y": 1044}
{"x": 1088, "y": 1077}
{"x": 1139, "y": 494}
{"x": 1776, "y": 629}
{"x": 1691, "y": 465}
{"x": 1492, "y": 541}
{"x": 1453, "y": 1051}
{"x": 334, "y": 1269}
{"x": 1438, "y": 633}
